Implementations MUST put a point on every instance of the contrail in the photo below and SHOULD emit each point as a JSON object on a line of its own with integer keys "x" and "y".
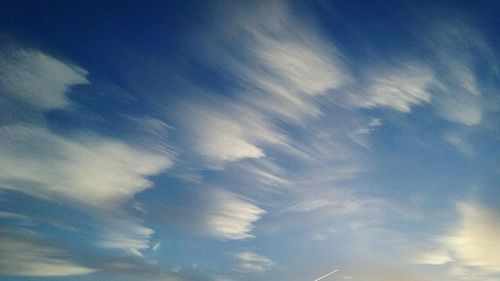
{"x": 327, "y": 275}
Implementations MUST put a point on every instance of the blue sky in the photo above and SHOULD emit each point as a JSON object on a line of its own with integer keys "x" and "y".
{"x": 249, "y": 140}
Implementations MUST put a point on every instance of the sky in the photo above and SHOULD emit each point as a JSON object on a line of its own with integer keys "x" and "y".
{"x": 249, "y": 140}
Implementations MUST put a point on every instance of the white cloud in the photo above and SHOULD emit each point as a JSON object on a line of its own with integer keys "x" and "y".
{"x": 231, "y": 133}
{"x": 230, "y": 217}
{"x": 399, "y": 88}
{"x": 474, "y": 241}
{"x": 328, "y": 204}
{"x": 330, "y": 200}
{"x": 434, "y": 258}
{"x": 252, "y": 262}
{"x": 263, "y": 171}
{"x": 86, "y": 171}
{"x": 37, "y": 79}
{"x": 27, "y": 258}
{"x": 361, "y": 134}
{"x": 280, "y": 69}
{"x": 459, "y": 49}
{"x": 290, "y": 73}
{"x": 125, "y": 234}
{"x": 156, "y": 247}
{"x": 306, "y": 68}
{"x": 461, "y": 144}
{"x": 93, "y": 173}
{"x": 96, "y": 173}
{"x": 100, "y": 172}
{"x": 284, "y": 62}
{"x": 471, "y": 248}
{"x": 462, "y": 108}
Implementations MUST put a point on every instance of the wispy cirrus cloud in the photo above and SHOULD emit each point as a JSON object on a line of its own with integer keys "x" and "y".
{"x": 284, "y": 62}
{"x": 228, "y": 132}
{"x": 229, "y": 216}
{"x": 399, "y": 87}
{"x": 94, "y": 171}
{"x": 218, "y": 213}
{"x": 280, "y": 71}
{"x": 459, "y": 49}
{"x": 461, "y": 144}
{"x": 251, "y": 262}
{"x": 126, "y": 234}
{"x": 35, "y": 78}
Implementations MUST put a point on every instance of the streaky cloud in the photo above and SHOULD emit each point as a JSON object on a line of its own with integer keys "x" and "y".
{"x": 459, "y": 48}
{"x": 82, "y": 170}
{"x": 229, "y": 134}
{"x": 230, "y": 217}
{"x": 285, "y": 62}
{"x": 400, "y": 87}
{"x": 99, "y": 172}
{"x": 26, "y": 256}
{"x": 251, "y": 262}
{"x": 126, "y": 234}
{"x": 35, "y": 78}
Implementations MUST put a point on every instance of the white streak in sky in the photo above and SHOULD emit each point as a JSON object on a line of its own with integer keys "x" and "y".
{"x": 326, "y": 275}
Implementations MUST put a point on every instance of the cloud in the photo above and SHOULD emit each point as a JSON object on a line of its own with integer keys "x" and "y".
{"x": 126, "y": 234}
{"x": 252, "y": 262}
{"x": 471, "y": 248}
{"x": 459, "y": 49}
{"x": 89, "y": 169}
{"x": 229, "y": 132}
{"x": 280, "y": 70}
{"x": 37, "y": 79}
{"x": 94, "y": 174}
{"x": 474, "y": 240}
{"x": 261, "y": 171}
{"x": 210, "y": 211}
{"x": 229, "y": 216}
{"x": 328, "y": 203}
{"x": 276, "y": 78}
{"x": 284, "y": 62}
{"x": 95, "y": 171}
{"x": 461, "y": 144}
{"x": 156, "y": 247}
{"x": 462, "y": 109}
{"x": 290, "y": 75}
{"x": 434, "y": 258}
{"x": 28, "y": 257}
{"x": 399, "y": 88}
{"x": 361, "y": 134}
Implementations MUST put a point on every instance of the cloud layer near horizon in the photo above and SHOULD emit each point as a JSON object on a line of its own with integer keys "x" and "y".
{"x": 27, "y": 257}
